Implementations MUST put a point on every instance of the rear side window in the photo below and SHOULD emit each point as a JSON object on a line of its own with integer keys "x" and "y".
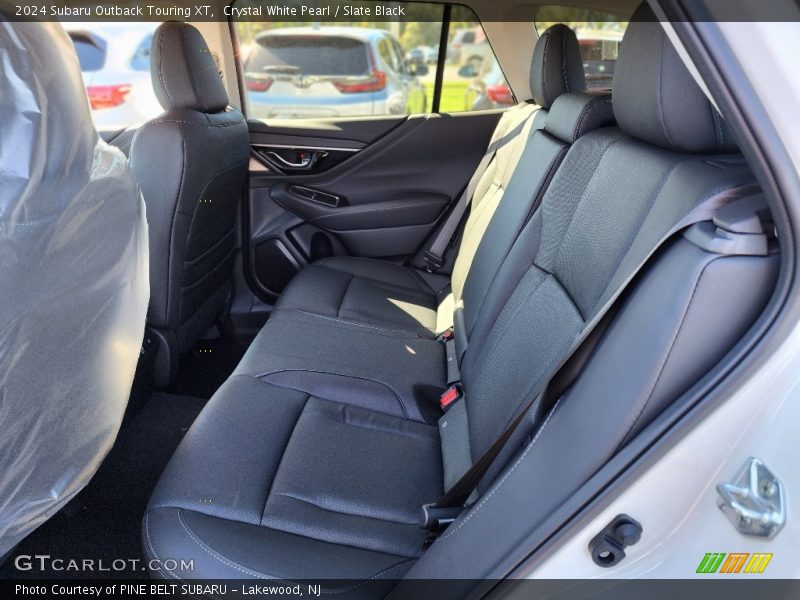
{"x": 472, "y": 79}
{"x": 599, "y": 35}
{"x": 115, "y": 64}
{"x": 369, "y": 67}
{"x": 91, "y": 50}
{"x": 140, "y": 61}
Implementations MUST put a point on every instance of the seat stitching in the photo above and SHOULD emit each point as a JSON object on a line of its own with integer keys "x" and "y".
{"x": 344, "y": 295}
{"x": 578, "y": 204}
{"x": 172, "y": 238}
{"x": 544, "y": 68}
{"x": 593, "y": 105}
{"x": 667, "y": 356}
{"x": 661, "y": 115}
{"x": 161, "y": 37}
{"x": 412, "y": 335}
{"x": 151, "y": 548}
{"x": 404, "y": 270}
{"x": 263, "y": 376}
{"x": 342, "y": 512}
{"x": 190, "y": 71}
{"x": 283, "y": 455}
{"x": 497, "y": 486}
{"x": 259, "y": 574}
{"x": 213, "y": 247}
{"x": 522, "y": 304}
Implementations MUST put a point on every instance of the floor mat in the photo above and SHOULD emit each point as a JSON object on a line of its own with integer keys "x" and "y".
{"x": 104, "y": 520}
{"x": 207, "y": 366}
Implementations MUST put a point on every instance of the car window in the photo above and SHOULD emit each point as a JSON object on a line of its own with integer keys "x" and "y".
{"x": 599, "y": 35}
{"x": 91, "y": 50}
{"x": 297, "y": 69}
{"x": 115, "y": 64}
{"x": 386, "y": 53}
{"x": 473, "y": 79}
{"x": 140, "y": 61}
{"x": 399, "y": 57}
{"x": 307, "y": 53}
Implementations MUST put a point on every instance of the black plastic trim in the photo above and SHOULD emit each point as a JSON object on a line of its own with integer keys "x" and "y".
{"x": 442, "y": 58}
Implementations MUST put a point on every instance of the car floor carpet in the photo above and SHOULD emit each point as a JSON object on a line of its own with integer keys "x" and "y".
{"x": 104, "y": 520}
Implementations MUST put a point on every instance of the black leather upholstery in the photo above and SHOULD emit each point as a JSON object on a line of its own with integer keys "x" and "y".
{"x": 310, "y": 460}
{"x": 557, "y": 67}
{"x": 183, "y": 71}
{"x": 573, "y": 115}
{"x": 191, "y": 163}
{"x": 656, "y": 98}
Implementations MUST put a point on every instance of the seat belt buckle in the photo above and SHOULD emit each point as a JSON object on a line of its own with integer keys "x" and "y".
{"x": 447, "y": 335}
{"x": 433, "y": 261}
{"x": 450, "y": 395}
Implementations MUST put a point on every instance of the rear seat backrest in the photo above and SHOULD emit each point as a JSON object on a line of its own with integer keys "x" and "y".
{"x": 597, "y": 218}
{"x": 556, "y": 69}
{"x": 571, "y": 116}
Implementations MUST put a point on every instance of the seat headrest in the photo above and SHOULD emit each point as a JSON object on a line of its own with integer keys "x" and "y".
{"x": 183, "y": 70}
{"x": 557, "y": 67}
{"x": 655, "y": 97}
{"x": 576, "y": 114}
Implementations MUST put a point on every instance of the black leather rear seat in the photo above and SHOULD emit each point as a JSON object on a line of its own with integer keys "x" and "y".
{"x": 403, "y": 298}
{"x": 371, "y": 344}
{"x": 295, "y": 472}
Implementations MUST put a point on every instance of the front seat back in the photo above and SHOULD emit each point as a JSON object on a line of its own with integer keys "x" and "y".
{"x": 191, "y": 163}
{"x": 73, "y": 280}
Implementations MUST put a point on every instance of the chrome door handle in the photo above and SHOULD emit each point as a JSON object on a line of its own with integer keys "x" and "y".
{"x": 305, "y": 163}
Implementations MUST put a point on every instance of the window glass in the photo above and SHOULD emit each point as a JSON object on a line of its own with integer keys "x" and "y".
{"x": 91, "y": 50}
{"x": 115, "y": 64}
{"x": 473, "y": 79}
{"x": 140, "y": 61}
{"x": 362, "y": 68}
{"x": 599, "y": 35}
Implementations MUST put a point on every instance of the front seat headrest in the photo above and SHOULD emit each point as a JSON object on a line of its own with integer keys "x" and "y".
{"x": 557, "y": 67}
{"x": 656, "y": 99}
{"x": 183, "y": 70}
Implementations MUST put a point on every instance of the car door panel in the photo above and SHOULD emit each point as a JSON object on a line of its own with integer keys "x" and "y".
{"x": 378, "y": 189}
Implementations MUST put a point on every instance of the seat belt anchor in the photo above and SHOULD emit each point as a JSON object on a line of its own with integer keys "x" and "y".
{"x": 436, "y": 518}
{"x": 433, "y": 262}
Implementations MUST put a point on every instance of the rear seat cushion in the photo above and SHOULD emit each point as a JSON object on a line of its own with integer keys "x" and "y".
{"x": 368, "y": 291}
{"x": 327, "y": 489}
{"x": 401, "y": 376}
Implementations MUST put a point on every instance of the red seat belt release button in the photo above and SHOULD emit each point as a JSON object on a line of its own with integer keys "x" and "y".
{"x": 451, "y": 395}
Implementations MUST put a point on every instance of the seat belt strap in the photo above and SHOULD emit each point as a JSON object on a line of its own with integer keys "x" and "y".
{"x": 458, "y": 494}
{"x": 434, "y": 255}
